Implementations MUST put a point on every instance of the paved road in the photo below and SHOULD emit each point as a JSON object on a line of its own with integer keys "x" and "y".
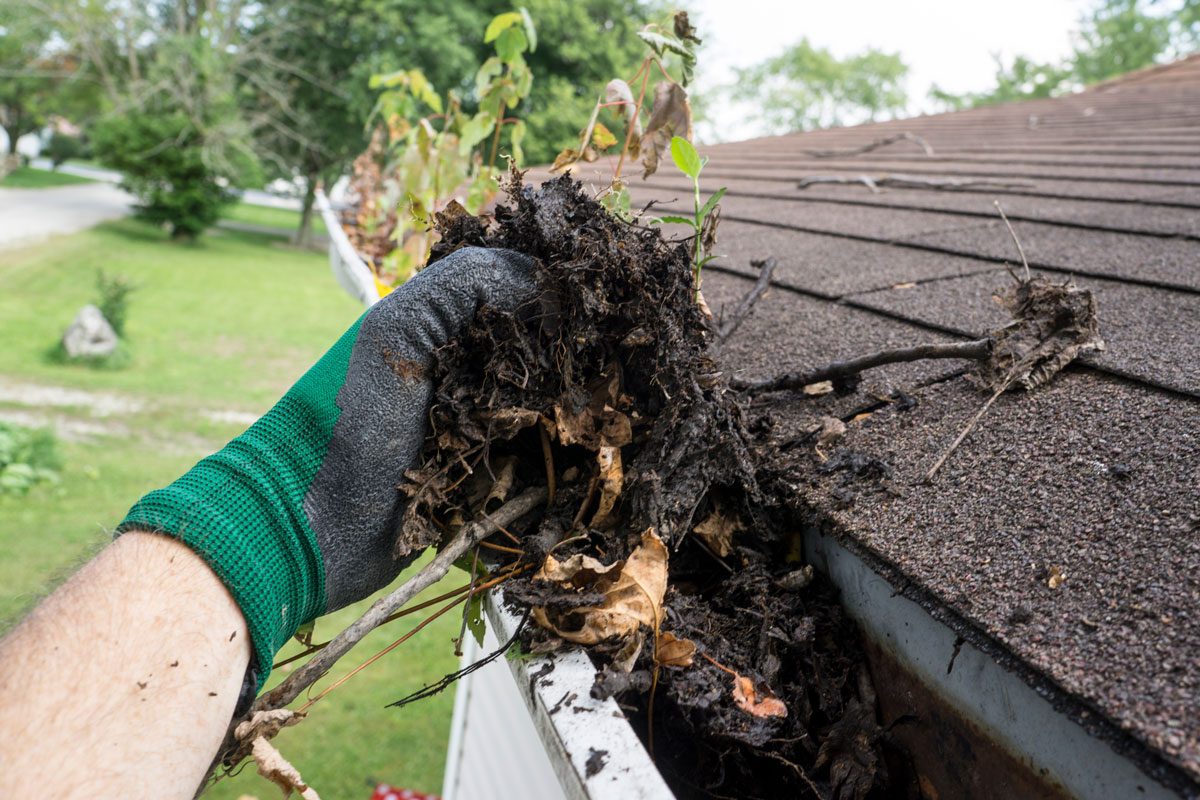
{"x": 27, "y": 215}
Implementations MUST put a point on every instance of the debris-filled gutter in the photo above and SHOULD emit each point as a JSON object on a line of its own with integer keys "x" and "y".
{"x": 972, "y": 727}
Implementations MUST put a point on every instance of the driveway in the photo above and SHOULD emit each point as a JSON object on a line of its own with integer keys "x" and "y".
{"x": 27, "y": 215}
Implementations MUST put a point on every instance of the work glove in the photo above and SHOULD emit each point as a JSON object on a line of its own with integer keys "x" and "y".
{"x": 298, "y": 515}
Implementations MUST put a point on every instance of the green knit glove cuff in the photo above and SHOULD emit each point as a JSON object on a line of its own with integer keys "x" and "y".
{"x": 241, "y": 509}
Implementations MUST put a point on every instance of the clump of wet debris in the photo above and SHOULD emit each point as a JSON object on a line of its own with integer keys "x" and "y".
{"x": 665, "y": 547}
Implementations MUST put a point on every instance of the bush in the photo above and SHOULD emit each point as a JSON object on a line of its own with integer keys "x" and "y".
{"x": 62, "y": 147}
{"x": 163, "y": 157}
{"x": 27, "y": 458}
{"x": 114, "y": 299}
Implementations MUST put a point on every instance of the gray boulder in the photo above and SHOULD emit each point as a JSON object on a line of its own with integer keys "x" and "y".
{"x": 89, "y": 335}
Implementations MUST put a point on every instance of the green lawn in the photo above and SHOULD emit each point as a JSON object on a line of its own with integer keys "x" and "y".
{"x": 266, "y": 216}
{"x": 30, "y": 178}
{"x": 225, "y": 325}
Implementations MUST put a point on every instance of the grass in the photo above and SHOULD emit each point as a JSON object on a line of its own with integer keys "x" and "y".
{"x": 224, "y": 325}
{"x": 268, "y": 217}
{"x": 30, "y": 178}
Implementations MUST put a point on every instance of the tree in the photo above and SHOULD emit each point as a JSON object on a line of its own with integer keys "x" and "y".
{"x": 1115, "y": 37}
{"x": 806, "y": 87}
{"x": 39, "y": 75}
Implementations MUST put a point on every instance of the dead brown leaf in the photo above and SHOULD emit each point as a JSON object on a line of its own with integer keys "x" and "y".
{"x": 633, "y": 593}
{"x": 819, "y": 388}
{"x": 565, "y": 159}
{"x": 278, "y": 770}
{"x": 747, "y": 699}
{"x": 618, "y": 91}
{"x": 671, "y": 115}
{"x": 505, "y": 423}
{"x": 671, "y": 651}
{"x": 717, "y": 530}
{"x": 612, "y": 481}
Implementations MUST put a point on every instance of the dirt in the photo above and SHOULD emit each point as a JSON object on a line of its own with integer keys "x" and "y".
{"x": 666, "y": 545}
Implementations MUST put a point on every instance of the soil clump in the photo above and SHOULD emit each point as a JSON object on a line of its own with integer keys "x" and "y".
{"x": 667, "y": 546}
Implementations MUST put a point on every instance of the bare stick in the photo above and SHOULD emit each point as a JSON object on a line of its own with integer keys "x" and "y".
{"x": 467, "y": 537}
{"x": 963, "y": 435}
{"x": 975, "y": 350}
{"x": 767, "y": 269}
{"x": 1016, "y": 241}
{"x": 899, "y": 181}
{"x": 875, "y": 145}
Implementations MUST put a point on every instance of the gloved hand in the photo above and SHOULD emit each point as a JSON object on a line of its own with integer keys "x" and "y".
{"x": 299, "y": 513}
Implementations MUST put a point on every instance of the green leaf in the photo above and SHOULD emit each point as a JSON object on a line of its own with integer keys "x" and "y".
{"x": 691, "y": 223}
{"x": 501, "y": 23}
{"x": 475, "y": 623}
{"x": 530, "y": 31}
{"x": 518, "y": 136}
{"x": 474, "y": 131}
{"x": 423, "y": 90}
{"x": 712, "y": 203}
{"x": 510, "y": 44}
{"x": 488, "y": 71}
{"x": 662, "y": 43}
{"x": 685, "y": 157}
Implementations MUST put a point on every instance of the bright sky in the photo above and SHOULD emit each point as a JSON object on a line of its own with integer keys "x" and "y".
{"x": 948, "y": 42}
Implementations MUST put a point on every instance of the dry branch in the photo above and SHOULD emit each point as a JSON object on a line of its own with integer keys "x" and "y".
{"x": 899, "y": 181}
{"x": 975, "y": 350}
{"x": 467, "y": 537}
{"x": 729, "y": 326}
{"x": 875, "y": 145}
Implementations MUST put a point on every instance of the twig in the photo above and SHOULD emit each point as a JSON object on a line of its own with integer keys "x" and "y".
{"x": 1016, "y": 241}
{"x": 448, "y": 680}
{"x": 875, "y": 145}
{"x": 462, "y": 631}
{"x": 466, "y": 538}
{"x": 969, "y": 427}
{"x": 975, "y": 350}
{"x": 873, "y": 182}
{"x": 548, "y": 456}
{"x": 747, "y": 305}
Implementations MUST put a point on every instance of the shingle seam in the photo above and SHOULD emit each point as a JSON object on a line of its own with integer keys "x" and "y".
{"x": 784, "y": 161}
{"x": 718, "y": 171}
{"x": 849, "y": 301}
{"x": 928, "y": 248}
{"x": 950, "y": 211}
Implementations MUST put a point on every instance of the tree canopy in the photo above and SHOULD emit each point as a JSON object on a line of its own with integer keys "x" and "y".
{"x": 808, "y": 87}
{"x": 1115, "y": 37}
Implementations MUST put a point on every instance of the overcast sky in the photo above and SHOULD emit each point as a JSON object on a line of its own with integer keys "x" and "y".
{"x": 948, "y": 42}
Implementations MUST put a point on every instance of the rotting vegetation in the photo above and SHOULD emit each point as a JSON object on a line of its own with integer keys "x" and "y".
{"x": 640, "y": 515}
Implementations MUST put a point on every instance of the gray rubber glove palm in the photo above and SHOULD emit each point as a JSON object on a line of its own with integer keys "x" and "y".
{"x": 298, "y": 515}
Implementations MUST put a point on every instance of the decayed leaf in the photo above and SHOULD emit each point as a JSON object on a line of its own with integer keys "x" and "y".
{"x": 830, "y": 431}
{"x": 818, "y": 388}
{"x": 633, "y": 593}
{"x": 602, "y": 137}
{"x": 594, "y": 421}
{"x": 505, "y": 423}
{"x": 717, "y": 530}
{"x": 671, "y": 115}
{"x": 505, "y": 471}
{"x": 618, "y": 91}
{"x": 565, "y": 159}
{"x": 1056, "y": 579}
{"x": 278, "y": 770}
{"x": 612, "y": 481}
{"x": 671, "y": 651}
{"x": 747, "y": 699}
{"x": 1052, "y": 324}
{"x": 852, "y": 753}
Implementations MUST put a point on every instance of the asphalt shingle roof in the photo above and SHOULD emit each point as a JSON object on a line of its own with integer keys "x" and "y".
{"x": 1096, "y": 475}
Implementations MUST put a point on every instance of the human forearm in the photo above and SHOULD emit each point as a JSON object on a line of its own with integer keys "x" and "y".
{"x": 154, "y": 650}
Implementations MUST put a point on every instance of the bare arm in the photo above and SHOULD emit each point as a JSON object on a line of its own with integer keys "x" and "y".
{"x": 122, "y": 682}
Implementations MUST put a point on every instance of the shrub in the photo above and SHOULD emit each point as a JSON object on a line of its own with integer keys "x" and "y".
{"x": 27, "y": 457}
{"x": 164, "y": 158}
{"x": 62, "y": 147}
{"x": 114, "y": 299}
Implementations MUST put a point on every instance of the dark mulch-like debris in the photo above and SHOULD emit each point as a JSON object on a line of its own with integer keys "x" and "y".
{"x": 605, "y": 389}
